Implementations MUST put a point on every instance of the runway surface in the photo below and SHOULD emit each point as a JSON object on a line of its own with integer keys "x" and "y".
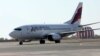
{"x": 50, "y": 49}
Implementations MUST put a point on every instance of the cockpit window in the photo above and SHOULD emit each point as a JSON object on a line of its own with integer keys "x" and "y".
{"x": 18, "y": 29}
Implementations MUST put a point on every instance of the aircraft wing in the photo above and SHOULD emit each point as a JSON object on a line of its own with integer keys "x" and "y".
{"x": 89, "y": 24}
{"x": 71, "y": 32}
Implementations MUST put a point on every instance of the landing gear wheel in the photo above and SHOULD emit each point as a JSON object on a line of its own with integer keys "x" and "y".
{"x": 57, "y": 41}
{"x": 21, "y": 43}
{"x": 42, "y": 41}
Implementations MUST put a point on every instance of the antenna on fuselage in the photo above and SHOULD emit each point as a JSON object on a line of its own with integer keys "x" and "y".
{"x": 44, "y": 20}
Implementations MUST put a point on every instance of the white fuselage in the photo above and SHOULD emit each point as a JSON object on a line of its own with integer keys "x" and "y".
{"x": 39, "y": 31}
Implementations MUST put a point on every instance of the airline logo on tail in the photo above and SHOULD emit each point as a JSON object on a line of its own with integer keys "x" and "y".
{"x": 77, "y": 14}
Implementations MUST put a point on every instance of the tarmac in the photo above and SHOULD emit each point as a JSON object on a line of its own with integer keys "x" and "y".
{"x": 65, "y": 48}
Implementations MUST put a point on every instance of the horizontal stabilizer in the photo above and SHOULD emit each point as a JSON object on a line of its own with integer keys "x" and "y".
{"x": 89, "y": 24}
{"x": 71, "y": 32}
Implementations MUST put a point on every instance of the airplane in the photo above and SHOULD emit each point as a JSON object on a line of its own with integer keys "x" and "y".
{"x": 51, "y": 32}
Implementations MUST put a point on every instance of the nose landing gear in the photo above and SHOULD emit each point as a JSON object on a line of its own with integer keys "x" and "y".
{"x": 20, "y": 42}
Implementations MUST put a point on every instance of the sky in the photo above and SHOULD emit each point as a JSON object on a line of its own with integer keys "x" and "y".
{"x": 14, "y": 13}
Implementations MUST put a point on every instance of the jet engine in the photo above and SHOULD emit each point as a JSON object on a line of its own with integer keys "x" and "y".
{"x": 53, "y": 37}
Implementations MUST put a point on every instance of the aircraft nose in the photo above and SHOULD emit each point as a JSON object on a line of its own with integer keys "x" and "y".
{"x": 12, "y": 34}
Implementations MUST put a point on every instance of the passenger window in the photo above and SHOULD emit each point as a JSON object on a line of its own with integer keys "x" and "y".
{"x": 18, "y": 29}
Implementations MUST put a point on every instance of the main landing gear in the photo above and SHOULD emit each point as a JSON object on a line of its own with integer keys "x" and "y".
{"x": 20, "y": 42}
{"x": 42, "y": 41}
{"x": 57, "y": 41}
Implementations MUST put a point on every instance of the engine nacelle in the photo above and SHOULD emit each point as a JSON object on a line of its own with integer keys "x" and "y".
{"x": 53, "y": 37}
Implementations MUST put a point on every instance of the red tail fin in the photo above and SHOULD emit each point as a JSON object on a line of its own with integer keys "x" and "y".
{"x": 77, "y": 15}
